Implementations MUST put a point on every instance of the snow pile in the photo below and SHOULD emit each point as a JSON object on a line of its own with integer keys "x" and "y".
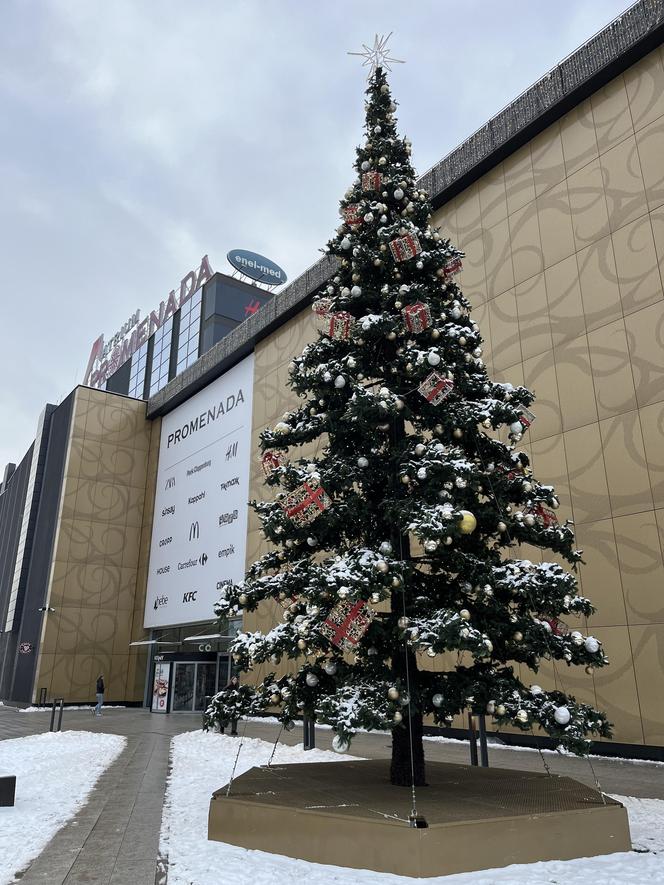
{"x": 54, "y": 774}
{"x": 202, "y": 763}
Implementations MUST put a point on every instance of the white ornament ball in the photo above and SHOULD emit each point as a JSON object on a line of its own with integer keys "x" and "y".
{"x": 516, "y": 427}
{"x": 385, "y": 548}
{"x": 431, "y": 546}
{"x": 521, "y": 715}
{"x": 362, "y": 462}
{"x": 529, "y": 519}
{"x": 433, "y": 358}
{"x": 345, "y": 243}
{"x": 369, "y": 217}
{"x": 398, "y": 194}
{"x": 339, "y": 381}
{"x": 491, "y": 707}
{"x": 438, "y": 700}
{"x": 339, "y": 745}
{"x": 330, "y": 668}
{"x": 562, "y": 715}
{"x": 576, "y": 637}
{"x": 535, "y": 689}
{"x": 281, "y": 427}
{"x": 592, "y": 645}
{"x": 422, "y": 473}
{"x": 356, "y": 292}
{"x": 311, "y": 680}
{"x": 366, "y": 165}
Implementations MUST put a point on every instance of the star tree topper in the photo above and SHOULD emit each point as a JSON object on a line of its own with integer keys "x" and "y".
{"x": 376, "y": 56}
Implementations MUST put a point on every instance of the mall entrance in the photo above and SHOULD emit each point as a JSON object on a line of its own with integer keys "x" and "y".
{"x": 181, "y": 682}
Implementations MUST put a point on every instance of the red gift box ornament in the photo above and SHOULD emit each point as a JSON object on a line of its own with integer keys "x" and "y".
{"x": 371, "y": 181}
{"x": 452, "y": 267}
{"x": 270, "y": 461}
{"x": 322, "y": 307}
{"x": 558, "y": 627}
{"x": 405, "y": 247}
{"x": 417, "y": 317}
{"x": 435, "y": 388}
{"x": 548, "y": 517}
{"x": 526, "y": 417}
{"x": 346, "y": 624}
{"x": 306, "y": 503}
{"x": 351, "y": 214}
{"x": 340, "y": 325}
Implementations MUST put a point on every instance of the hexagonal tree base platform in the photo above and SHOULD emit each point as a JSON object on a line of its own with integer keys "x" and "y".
{"x": 348, "y": 814}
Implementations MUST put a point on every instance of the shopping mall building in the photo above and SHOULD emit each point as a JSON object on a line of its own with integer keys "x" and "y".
{"x": 130, "y": 506}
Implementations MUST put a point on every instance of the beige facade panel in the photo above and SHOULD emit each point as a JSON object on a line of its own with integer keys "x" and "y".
{"x": 95, "y": 576}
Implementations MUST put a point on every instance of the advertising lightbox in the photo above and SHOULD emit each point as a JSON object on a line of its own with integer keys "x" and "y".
{"x": 200, "y": 516}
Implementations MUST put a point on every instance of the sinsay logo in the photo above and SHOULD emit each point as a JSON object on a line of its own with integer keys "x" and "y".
{"x": 194, "y": 531}
{"x": 160, "y": 601}
{"x": 190, "y": 596}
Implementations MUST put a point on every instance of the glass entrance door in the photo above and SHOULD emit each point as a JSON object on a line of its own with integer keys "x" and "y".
{"x": 192, "y": 682}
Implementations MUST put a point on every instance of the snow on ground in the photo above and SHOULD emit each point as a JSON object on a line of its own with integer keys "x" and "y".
{"x": 54, "y": 774}
{"x": 68, "y": 708}
{"x": 202, "y": 763}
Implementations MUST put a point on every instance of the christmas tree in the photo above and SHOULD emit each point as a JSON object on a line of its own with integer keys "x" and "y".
{"x": 400, "y": 541}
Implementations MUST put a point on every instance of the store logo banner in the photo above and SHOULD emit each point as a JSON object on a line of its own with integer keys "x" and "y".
{"x": 201, "y": 514}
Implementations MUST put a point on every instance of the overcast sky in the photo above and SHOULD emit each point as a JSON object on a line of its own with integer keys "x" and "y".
{"x": 137, "y": 136}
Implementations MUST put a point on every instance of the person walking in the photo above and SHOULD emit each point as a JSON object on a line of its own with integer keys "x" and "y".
{"x": 100, "y": 694}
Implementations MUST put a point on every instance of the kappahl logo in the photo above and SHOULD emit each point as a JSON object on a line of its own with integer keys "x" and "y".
{"x": 256, "y": 266}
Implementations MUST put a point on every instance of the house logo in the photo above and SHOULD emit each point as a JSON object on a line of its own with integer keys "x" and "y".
{"x": 194, "y": 531}
{"x": 190, "y": 596}
{"x": 170, "y": 483}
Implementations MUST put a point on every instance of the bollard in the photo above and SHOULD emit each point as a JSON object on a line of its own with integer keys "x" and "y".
{"x": 309, "y": 732}
{"x": 206, "y": 704}
{"x": 472, "y": 735}
{"x": 484, "y": 752}
{"x": 42, "y": 697}
{"x": 61, "y": 703}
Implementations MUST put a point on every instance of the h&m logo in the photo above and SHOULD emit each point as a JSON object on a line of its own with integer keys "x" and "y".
{"x": 190, "y": 596}
{"x": 194, "y": 531}
{"x": 170, "y": 483}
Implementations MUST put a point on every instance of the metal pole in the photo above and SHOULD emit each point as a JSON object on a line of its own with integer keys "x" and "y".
{"x": 484, "y": 752}
{"x": 62, "y": 704}
{"x": 52, "y": 717}
{"x": 42, "y": 697}
{"x": 206, "y": 704}
{"x": 472, "y": 736}
{"x": 309, "y": 732}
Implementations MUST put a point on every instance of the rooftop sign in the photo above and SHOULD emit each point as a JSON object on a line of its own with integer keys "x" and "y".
{"x": 256, "y": 266}
{"x": 105, "y": 359}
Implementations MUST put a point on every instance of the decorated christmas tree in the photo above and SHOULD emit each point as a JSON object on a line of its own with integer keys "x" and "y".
{"x": 399, "y": 544}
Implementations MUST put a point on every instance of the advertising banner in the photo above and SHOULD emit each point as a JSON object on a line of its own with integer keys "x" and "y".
{"x": 199, "y": 530}
{"x": 162, "y": 678}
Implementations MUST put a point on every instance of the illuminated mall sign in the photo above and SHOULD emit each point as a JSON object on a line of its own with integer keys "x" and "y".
{"x": 107, "y": 357}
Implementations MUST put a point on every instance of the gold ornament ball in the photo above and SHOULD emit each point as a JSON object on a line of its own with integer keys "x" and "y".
{"x": 522, "y": 716}
{"x": 301, "y": 644}
{"x": 397, "y": 717}
{"x": 457, "y": 433}
{"x": 467, "y": 523}
{"x": 274, "y": 699}
{"x": 243, "y": 599}
{"x": 393, "y": 693}
{"x": 518, "y": 636}
{"x": 500, "y": 710}
{"x": 464, "y": 614}
{"x": 403, "y": 622}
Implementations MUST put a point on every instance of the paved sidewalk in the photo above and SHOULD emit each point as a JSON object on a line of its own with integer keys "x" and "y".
{"x": 114, "y": 839}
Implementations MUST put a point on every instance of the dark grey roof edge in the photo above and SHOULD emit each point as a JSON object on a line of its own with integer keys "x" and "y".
{"x": 617, "y": 46}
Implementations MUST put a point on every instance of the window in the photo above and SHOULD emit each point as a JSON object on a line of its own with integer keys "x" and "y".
{"x": 137, "y": 375}
{"x": 190, "y": 327}
{"x": 161, "y": 356}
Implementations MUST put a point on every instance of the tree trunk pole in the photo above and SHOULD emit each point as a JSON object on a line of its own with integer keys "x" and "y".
{"x": 407, "y": 767}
